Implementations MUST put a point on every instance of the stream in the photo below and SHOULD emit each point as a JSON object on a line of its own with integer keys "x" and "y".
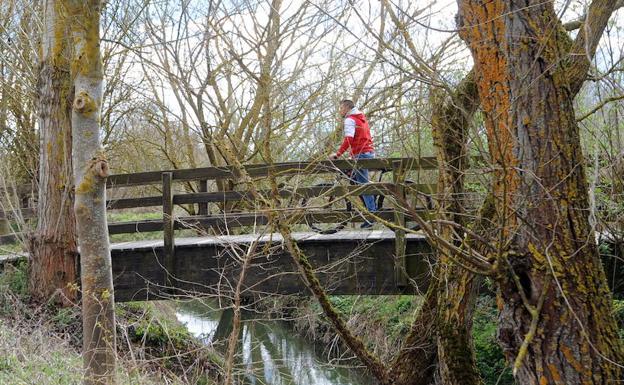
{"x": 269, "y": 351}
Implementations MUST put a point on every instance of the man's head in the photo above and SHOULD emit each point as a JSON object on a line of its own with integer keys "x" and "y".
{"x": 346, "y": 105}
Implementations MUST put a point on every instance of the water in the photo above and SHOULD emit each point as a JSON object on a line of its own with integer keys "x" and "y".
{"x": 269, "y": 352}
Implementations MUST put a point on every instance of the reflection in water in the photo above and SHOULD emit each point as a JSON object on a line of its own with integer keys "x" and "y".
{"x": 270, "y": 353}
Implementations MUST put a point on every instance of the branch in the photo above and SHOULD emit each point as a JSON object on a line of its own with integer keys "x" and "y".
{"x": 372, "y": 362}
{"x": 584, "y": 47}
{"x": 599, "y": 106}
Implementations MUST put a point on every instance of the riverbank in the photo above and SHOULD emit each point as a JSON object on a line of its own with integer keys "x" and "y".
{"x": 41, "y": 344}
{"x": 382, "y": 322}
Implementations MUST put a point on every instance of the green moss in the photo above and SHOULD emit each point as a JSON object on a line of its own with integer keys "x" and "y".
{"x": 154, "y": 326}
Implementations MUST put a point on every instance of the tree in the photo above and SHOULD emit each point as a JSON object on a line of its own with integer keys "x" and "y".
{"x": 556, "y": 323}
{"x": 90, "y": 172}
{"x": 20, "y": 27}
{"x": 53, "y": 246}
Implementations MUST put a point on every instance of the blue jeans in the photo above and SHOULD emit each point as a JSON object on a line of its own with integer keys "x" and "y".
{"x": 360, "y": 176}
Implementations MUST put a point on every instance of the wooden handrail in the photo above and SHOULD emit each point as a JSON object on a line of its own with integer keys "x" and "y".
{"x": 247, "y": 219}
{"x": 278, "y": 169}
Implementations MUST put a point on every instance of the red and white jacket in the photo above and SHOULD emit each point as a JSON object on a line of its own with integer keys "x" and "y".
{"x": 357, "y": 134}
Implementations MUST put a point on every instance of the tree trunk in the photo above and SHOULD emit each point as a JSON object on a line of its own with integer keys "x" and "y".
{"x": 556, "y": 323}
{"x": 439, "y": 346}
{"x": 53, "y": 246}
{"x": 458, "y": 287}
{"x": 90, "y": 171}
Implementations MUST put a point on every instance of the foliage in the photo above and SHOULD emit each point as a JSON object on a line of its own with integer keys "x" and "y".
{"x": 43, "y": 342}
{"x": 490, "y": 360}
{"x": 384, "y": 321}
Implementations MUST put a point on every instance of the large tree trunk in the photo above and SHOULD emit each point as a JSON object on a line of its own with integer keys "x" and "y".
{"x": 53, "y": 245}
{"x": 556, "y": 324}
{"x": 90, "y": 171}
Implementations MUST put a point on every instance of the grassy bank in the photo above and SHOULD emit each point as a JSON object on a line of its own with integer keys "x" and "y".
{"x": 383, "y": 322}
{"x": 40, "y": 344}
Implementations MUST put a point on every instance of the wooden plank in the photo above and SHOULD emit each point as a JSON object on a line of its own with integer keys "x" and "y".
{"x": 8, "y": 239}
{"x": 126, "y": 203}
{"x": 14, "y": 257}
{"x": 278, "y": 169}
{"x": 168, "y": 224}
{"x": 233, "y": 220}
{"x": 246, "y": 239}
{"x": 21, "y": 190}
{"x": 299, "y": 192}
{"x": 224, "y": 196}
{"x": 24, "y": 212}
{"x": 130, "y": 227}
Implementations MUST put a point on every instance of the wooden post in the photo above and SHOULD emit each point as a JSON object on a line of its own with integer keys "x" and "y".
{"x": 203, "y": 206}
{"x": 168, "y": 224}
{"x": 398, "y": 177}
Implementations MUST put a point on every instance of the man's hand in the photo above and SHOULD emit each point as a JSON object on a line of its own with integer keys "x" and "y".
{"x": 333, "y": 157}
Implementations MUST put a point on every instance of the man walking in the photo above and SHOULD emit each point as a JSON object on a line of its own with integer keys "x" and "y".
{"x": 357, "y": 138}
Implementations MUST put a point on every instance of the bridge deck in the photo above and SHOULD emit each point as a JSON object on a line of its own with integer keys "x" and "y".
{"x": 353, "y": 235}
{"x": 347, "y": 262}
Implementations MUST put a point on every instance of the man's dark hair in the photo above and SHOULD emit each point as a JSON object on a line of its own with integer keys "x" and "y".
{"x": 347, "y": 102}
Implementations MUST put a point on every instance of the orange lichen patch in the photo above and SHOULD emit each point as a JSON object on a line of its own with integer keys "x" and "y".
{"x": 554, "y": 373}
{"x": 87, "y": 185}
{"x": 484, "y": 31}
{"x": 87, "y": 59}
{"x": 569, "y": 355}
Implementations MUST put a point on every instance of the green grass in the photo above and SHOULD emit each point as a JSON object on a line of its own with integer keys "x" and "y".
{"x": 11, "y": 248}
{"x": 490, "y": 360}
{"x": 41, "y": 357}
{"x": 396, "y": 313}
{"x": 128, "y": 216}
{"x": 41, "y": 345}
{"x": 386, "y": 320}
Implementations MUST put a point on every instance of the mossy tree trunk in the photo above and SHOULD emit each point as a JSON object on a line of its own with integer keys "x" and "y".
{"x": 556, "y": 324}
{"x": 90, "y": 172}
{"x": 53, "y": 245}
{"x": 458, "y": 287}
{"x": 439, "y": 347}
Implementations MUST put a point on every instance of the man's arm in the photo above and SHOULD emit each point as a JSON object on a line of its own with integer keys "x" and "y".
{"x": 349, "y": 133}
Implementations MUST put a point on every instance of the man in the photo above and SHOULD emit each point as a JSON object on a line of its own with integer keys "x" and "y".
{"x": 357, "y": 138}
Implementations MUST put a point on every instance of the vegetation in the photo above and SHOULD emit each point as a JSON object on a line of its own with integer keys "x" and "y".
{"x": 41, "y": 343}
{"x": 533, "y": 88}
{"x": 384, "y": 322}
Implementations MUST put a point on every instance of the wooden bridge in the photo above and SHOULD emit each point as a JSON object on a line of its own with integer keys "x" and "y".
{"x": 347, "y": 261}
{"x": 216, "y": 229}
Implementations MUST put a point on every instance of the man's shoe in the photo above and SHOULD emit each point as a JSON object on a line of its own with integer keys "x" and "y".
{"x": 366, "y": 225}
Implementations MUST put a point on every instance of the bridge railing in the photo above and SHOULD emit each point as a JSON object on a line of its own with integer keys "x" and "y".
{"x": 169, "y": 197}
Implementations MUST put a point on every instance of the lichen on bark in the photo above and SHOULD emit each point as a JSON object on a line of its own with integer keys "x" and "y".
{"x": 90, "y": 169}
{"x": 552, "y": 291}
